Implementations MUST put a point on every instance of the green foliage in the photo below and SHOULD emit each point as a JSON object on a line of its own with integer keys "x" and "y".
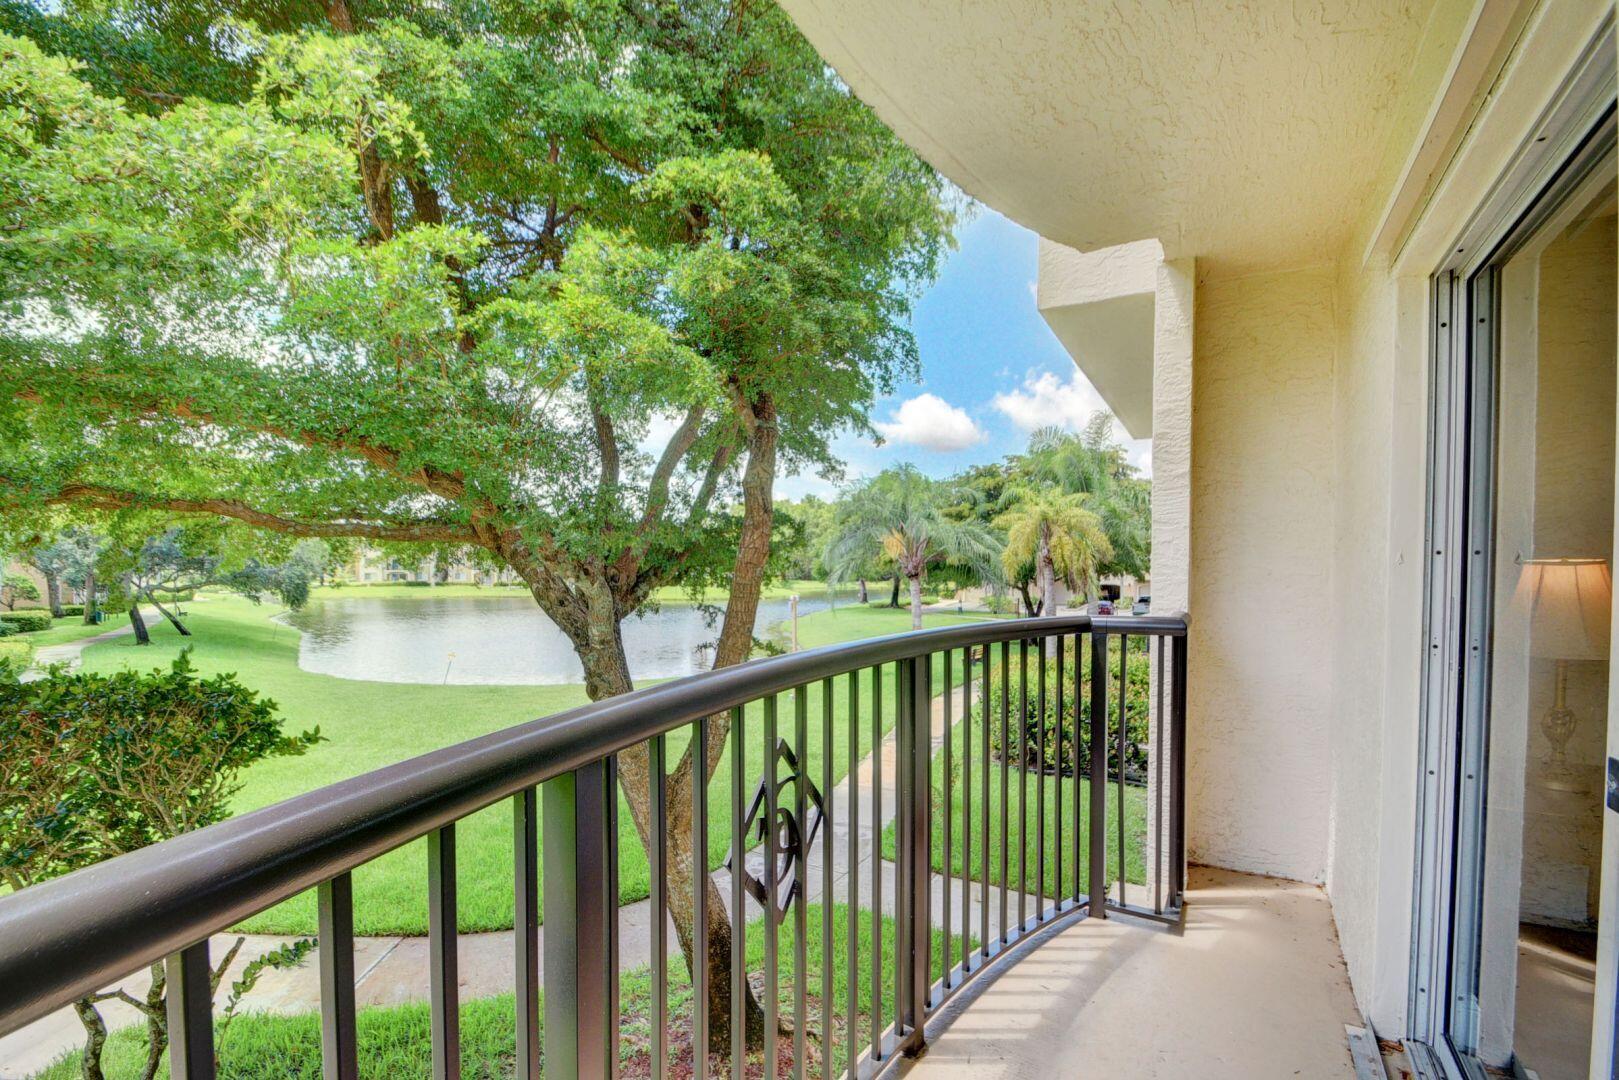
{"x": 17, "y": 587}
{"x": 72, "y": 610}
{"x": 1052, "y": 533}
{"x": 900, "y": 516}
{"x": 1070, "y": 712}
{"x": 15, "y": 657}
{"x": 431, "y": 275}
{"x": 23, "y": 622}
{"x": 100, "y": 765}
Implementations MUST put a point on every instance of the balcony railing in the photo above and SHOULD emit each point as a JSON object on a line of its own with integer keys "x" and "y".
{"x": 67, "y": 938}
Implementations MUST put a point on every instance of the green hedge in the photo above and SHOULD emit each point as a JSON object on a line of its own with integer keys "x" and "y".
{"x": 71, "y": 611}
{"x": 1074, "y": 708}
{"x": 27, "y": 621}
{"x": 16, "y": 653}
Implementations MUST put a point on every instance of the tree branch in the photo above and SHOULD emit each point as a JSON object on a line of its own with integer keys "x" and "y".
{"x": 426, "y": 531}
{"x": 657, "y": 495}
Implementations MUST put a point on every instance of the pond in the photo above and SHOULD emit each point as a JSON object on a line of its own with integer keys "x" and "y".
{"x": 502, "y": 639}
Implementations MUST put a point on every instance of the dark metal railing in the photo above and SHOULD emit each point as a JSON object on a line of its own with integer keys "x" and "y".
{"x": 67, "y": 938}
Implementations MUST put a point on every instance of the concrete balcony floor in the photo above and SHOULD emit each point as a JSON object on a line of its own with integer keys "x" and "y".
{"x": 1253, "y": 985}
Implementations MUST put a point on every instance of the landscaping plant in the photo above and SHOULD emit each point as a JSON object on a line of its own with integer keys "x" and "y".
{"x": 100, "y": 765}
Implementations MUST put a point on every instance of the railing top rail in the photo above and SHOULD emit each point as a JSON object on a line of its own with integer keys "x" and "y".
{"x": 64, "y": 938}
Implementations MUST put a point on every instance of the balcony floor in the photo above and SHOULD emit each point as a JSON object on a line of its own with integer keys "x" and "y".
{"x": 1253, "y": 985}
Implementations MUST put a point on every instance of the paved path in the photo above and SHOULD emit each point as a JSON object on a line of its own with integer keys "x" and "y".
{"x": 394, "y": 970}
{"x": 69, "y": 653}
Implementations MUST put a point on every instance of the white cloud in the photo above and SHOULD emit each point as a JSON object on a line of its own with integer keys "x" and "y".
{"x": 1046, "y": 399}
{"x": 932, "y": 423}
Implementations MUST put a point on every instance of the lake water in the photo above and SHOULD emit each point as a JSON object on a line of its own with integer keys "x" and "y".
{"x": 501, "y": 639}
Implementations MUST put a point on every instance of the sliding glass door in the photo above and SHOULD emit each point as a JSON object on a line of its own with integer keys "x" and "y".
{"x": 1521, "y": 547}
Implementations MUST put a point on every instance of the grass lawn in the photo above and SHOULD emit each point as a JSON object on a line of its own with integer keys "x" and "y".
{"x": 1057, "y": 832}
{"x": 372, "y": 724}
{"x": 394, "y": 1042}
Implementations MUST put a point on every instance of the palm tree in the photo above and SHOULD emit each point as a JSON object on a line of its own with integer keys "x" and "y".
{"x": 1059, "y": 535}
{"x": 1091, "y": 463}
{"x": 900, "y": 514}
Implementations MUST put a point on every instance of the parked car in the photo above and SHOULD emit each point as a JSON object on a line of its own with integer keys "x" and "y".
{"x": 1102, "y": 607}
{"x": 1141, "y": 606}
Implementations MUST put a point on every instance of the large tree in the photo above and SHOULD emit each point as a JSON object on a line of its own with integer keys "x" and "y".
{"x": 567, "y": 281}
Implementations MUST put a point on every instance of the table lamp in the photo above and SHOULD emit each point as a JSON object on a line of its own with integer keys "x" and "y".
{"x": 1568, "y": 605}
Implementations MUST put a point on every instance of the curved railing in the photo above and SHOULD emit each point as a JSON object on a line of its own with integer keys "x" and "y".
{"x": 67, "y": 938}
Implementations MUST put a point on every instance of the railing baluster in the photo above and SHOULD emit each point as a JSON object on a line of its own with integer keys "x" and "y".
{"x": 526, "y": 929}
{"x": 915, "y": 793}
{"x": 579, "y": 917}
{"x": 966, "y": 805}
{"x": 801, "y": 884}
{"x": 190, "y": 1013}
{"x": 739, "y": 924}
{"x": 339, "y": 1056}
{"x": 949, "y": 737}
{"x": 983, "y": 810}
{"x": 1096, "y": 853}
{"x": 1159, "y": 864}
{"x": 1079, "y": 711}
{"x": 1056, "y": 760}
{"x": 851, "y": 1001}
{"x": 826, "y": 878}
{"x": 699, "y": 901}
{"x": 1177, "y": 777}
{"x": 444, "y": 982}
{"x": 658, "y": 871}
{"x": 1023, "y": 784}
{"x": 1006, "y": 782}
{"x": 772, "y": 924}
{"x": 1040, "y": 781}
{"x": 902, "y": 850}
{"x": 1124, "y": 696}
{"x": 877, "y": 863}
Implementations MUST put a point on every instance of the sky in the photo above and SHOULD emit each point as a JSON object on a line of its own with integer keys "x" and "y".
{"x": 991, "y": 369}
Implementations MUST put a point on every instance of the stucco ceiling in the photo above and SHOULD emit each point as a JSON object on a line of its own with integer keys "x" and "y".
{"x": 1243, "y": 133}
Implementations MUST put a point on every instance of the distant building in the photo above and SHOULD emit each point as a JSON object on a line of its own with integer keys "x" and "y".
{"x": 369, "y": 566}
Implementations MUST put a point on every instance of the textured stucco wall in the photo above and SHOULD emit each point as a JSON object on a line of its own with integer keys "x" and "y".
{"x": 1262, "y": 539}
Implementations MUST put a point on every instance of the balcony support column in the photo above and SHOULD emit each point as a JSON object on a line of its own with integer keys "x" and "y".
{"x": 581, "y": 909}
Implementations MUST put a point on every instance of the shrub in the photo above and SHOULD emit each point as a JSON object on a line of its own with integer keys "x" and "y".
{"x": 416, "y": 584}
{"x": 1061, "y": 714}
{"x": 27, "y": 621}
{"x": 15, "y": 657}
{"x": 72, "y": 611}
{"x": 7, "y": 629}
{"x": 100, "y": 765}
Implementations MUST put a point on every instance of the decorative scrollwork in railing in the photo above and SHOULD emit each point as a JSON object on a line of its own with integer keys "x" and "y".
{"x": 787, "y": 840}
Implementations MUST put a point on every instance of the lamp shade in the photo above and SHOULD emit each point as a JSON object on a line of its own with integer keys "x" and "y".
{"x": 1568, "y": 602}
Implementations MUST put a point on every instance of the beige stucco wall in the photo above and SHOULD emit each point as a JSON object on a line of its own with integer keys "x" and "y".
{"x": 1262, "y": 540}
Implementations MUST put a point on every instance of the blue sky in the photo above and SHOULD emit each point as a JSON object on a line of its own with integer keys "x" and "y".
{"x": 991, "y": 369}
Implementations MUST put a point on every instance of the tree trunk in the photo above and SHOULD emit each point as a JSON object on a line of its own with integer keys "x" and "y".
{"x": 893, "y": 600}
{"x": 53, "y": 593}
{"x": 607, "y": 675}
{"x": 173, "y": 619}
{"x": 157, "y": 1023}
{"x": 1030, "y": 607}
{"x": 1048, "y": 575}
{"x": 916, "y": 602}
{"x": 863, "y": 598}
{"x": 142, "y": 637}
{"x": 90, "y": 598}
{"x": 95, "y": 1037}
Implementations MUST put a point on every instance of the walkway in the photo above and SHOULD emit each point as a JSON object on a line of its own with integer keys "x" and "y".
{"x": 69, "y": 654}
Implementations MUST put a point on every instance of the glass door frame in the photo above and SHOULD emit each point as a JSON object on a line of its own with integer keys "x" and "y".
{"x": 1576, "y": 136}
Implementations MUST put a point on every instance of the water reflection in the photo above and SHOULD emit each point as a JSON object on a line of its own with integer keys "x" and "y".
{"x": 501, "y": 639}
